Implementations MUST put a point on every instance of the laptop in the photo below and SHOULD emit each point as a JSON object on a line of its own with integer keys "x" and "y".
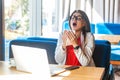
{"x": 34, "y": 60}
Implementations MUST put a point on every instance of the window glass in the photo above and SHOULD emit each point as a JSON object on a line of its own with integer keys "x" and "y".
{"x": 16, "y": 18}
{"x": 16, "y": 21}
{"x": 49, "y": 19}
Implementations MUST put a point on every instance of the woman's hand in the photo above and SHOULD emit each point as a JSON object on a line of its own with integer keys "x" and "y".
{"x": 72, "y": 38}
{"x": 64, "y": 38}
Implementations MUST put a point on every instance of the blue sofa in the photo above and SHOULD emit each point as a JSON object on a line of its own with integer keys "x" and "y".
{"x": 49, "y": 46}
{"x": 110, "y": 29}
{"x": 107, "y": 28}
{"x": 101, "y": 55}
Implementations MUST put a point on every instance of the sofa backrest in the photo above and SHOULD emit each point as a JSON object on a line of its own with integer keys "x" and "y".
{"x": 48, "y": 45}
{"x": 101, "y": 53}
{"x": 42, "y": 38}
{"x": 102, "y": 49}
{"x": 107, "y": 28}
{"x": 65, "y": 26}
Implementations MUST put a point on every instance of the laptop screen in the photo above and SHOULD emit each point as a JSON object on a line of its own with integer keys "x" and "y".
{"x": 30, "y": 59}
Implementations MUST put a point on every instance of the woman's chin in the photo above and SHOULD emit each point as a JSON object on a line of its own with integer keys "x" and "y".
{"x": 75, "y": 29}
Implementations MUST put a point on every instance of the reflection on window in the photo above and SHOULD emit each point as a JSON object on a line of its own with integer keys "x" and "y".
{"x": 49, "y": 17}
{"x": 16, "y": 18}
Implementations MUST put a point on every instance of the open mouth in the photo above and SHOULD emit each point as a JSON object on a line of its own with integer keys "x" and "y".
{"x": 74, "y": 24}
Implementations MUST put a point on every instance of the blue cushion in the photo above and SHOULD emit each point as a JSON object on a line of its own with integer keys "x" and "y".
{"x": 107, "y": 28}
{"x": 42, "y": 38}
{"x": 115, "y": 52}
{"x": 102, "y": 42}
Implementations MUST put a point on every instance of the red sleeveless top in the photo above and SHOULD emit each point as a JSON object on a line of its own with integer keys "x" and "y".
{"x": 71, "y": 58}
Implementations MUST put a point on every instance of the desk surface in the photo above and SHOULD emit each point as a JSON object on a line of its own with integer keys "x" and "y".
{"x": 82, "y": 73}
{"x": 113, "y": 39}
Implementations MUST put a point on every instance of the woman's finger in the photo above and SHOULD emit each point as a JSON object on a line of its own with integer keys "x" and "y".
{"x": 64, "y": 37}
{"x": 71, "y": 35}
{"x": 68, "y": 35}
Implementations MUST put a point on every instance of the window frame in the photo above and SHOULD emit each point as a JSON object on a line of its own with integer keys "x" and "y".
{"x": 36, "y": 17}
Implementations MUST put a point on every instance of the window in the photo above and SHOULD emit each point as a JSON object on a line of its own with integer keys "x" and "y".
{"x": 30, "y": 18}
{"x": 49, "y": 18}
{"x": 16, "y": 18}
{"x": 16, "y": 21}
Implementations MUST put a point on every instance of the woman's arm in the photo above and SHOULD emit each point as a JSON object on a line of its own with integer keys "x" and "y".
{"x": 84, "y": 53}
{"x": 60, "y": 55}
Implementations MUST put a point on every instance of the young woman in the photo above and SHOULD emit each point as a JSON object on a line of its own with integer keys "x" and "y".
{"x": 76, "y": 46}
